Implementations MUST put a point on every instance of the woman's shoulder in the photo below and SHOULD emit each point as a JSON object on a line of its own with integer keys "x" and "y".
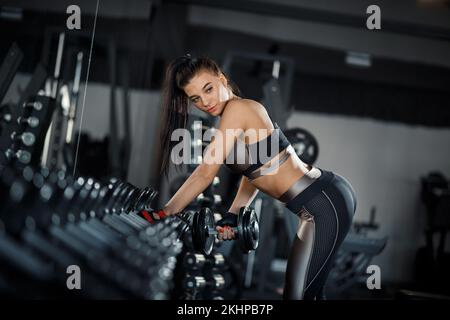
{"x": 247, "y": 113}
{"x": 244, "y": 107}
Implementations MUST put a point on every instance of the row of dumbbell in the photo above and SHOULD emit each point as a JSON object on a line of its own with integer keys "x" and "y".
{"x": 131, "y": 265}
{"x": 76, "y": 195}
{"x": 69, "y": 199}
{"x": 203, "y": 278}
{"x": 25, "y": 138}
{"x": 132, "y": 268}
{"x": 196, "y": 282}
{"x": 198, "y": 261}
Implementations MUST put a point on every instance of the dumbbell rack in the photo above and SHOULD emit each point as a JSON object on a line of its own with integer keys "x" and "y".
{"x": 201, "y": 277}
{"x": 22, "y": 142}
{"x": 197, "y": 276}
{"x": 50, "y": 221}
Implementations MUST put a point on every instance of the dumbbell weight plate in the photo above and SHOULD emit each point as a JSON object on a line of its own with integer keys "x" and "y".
{"x": 140, "y": 202}
{"x": 248, "y": 228}
{"x": 202, "y": 222}
{"x": 304, "y": 143}
{"x": 145, "y": 199}
{"x": 114, "y": 190}
{"x": 210, "y": 224}
{"x": 196, "y": 240}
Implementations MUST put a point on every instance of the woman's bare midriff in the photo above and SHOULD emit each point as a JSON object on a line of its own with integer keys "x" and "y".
{"x": 278, "y": 182}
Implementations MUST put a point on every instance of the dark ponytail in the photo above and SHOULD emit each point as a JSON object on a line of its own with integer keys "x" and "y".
{"x": 175, "y": 102}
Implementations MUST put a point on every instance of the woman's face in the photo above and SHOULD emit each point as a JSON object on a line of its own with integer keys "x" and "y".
{"x": 208, "y": 92}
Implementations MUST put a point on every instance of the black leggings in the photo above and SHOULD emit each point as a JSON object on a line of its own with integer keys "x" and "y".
{"x": 326, "y": 210}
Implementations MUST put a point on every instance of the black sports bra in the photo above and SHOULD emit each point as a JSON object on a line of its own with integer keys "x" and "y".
{"x": 248, "y": 158}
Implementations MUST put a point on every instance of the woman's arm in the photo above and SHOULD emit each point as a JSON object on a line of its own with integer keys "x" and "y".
{"x": 197, "y": 182}
{"x": 244, "y": 196}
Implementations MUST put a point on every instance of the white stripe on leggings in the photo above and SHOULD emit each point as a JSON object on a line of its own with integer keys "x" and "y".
{"x": 334, "y": 244}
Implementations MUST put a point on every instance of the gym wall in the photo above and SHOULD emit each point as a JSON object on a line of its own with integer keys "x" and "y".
{"x": 385, "y": 163}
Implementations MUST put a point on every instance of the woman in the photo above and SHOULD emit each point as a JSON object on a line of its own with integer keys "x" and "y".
{"x": 325, "y": 202}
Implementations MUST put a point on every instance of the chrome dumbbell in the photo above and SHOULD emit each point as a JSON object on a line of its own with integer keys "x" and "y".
{"x": 215, "y": 200}
{"x": 198, "y": 261}
{"x": 21, "y": 155}
{"x": 36, "y": 105}
{"x": 33, "y": 122}
{"x": 198, "y": 282}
